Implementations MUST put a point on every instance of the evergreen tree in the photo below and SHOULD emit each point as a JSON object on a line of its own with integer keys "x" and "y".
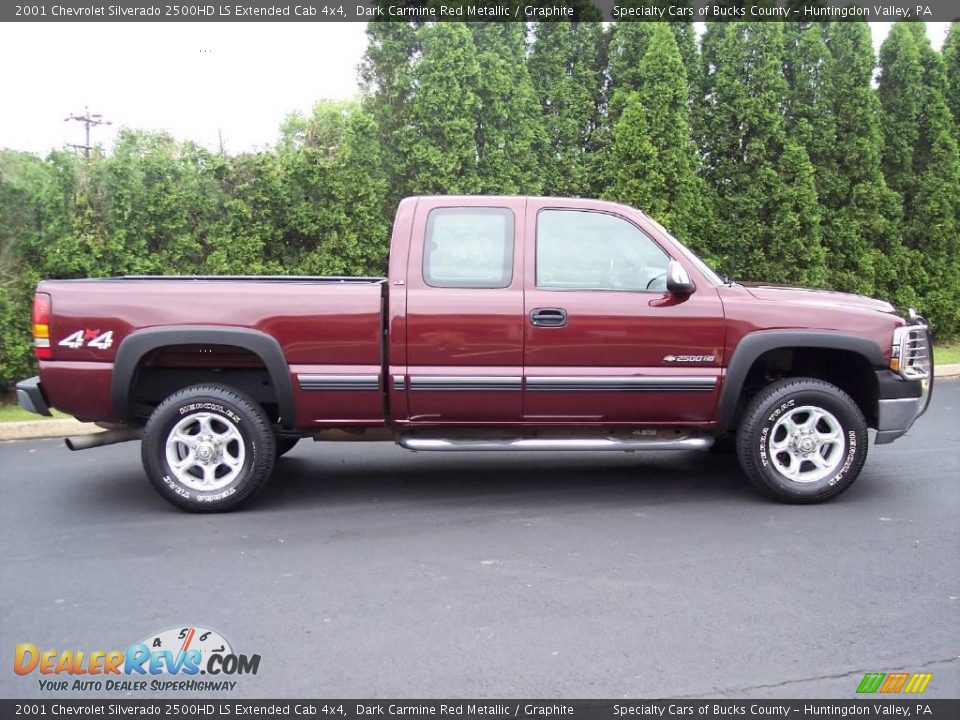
{"x": 914, "y": 92}
{"x": 933, "y": 228}
{"x": 794, "y": 253}
{"x": 901, "y": 76}
{"x": 334, "y": 219}
{"x": 628, "y": 46}
{"x": 438, "y": 146}
{"x": 386, "y": 81}
{"x": 810, "y": 120}
{"x": 510, "y": 135}
{"x": 686, "y": 36}
{"x": 934, "y": 107}
{"x": 569, "y": 86}
{"x": 761, "y": 182}
{"x": 632, "y": 174}
{"x": 861, "y": 214}
{"x": 935, "y": 231}
{"x": 951, "y": 61}
{"x": 660, "y": 112}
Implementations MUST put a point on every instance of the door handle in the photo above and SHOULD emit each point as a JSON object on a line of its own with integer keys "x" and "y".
{"x": 548, "y": 317}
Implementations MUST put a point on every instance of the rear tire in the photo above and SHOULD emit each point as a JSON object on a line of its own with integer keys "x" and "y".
{"x": 208, "y": 448}
{"x": 802, "y": 440}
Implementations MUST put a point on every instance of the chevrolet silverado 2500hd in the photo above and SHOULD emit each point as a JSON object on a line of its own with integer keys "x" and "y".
{"x": 504, "y": 323}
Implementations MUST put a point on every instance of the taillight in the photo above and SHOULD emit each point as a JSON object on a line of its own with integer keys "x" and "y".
{"x": 41, "y": 326}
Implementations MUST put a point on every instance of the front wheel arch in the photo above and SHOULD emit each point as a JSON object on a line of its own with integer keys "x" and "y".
{"x": 755, "y": 348}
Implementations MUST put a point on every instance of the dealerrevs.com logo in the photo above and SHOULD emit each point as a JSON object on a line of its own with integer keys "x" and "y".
{"x": 171, "y": 660}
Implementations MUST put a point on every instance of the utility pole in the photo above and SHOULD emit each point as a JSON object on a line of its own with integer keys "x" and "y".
{"x": 89, "y": 121}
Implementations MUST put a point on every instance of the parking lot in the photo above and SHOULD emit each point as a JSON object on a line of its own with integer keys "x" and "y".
{"x": 366, "y": 570}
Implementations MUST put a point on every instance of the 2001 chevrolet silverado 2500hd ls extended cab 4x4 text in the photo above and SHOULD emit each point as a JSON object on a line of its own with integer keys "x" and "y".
{"x": 505, "y": 323}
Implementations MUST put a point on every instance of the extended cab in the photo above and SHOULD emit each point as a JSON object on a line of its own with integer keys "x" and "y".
{"x": 504, "y": 323}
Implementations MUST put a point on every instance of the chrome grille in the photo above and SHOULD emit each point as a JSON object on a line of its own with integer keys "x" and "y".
{"x": 912, "y": 347}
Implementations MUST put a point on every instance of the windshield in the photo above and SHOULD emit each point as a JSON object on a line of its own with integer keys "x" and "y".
{"x": 705, "y": 269}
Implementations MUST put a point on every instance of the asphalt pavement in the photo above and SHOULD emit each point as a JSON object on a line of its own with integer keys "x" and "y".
{"x": 369, "y": 571}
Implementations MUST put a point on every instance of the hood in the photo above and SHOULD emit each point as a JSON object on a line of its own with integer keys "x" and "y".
{"x": 814, "y": 298}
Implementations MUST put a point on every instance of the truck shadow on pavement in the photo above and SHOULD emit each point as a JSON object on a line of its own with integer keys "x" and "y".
{"x": 315, "y": 479}
{"x": 504, "y": 479}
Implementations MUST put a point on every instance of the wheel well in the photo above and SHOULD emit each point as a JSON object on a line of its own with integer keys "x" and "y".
{"x": 848, "y": 370}
{"x": 167, "y": 369}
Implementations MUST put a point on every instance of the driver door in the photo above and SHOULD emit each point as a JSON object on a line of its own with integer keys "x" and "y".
{"x": 602, "y": 335}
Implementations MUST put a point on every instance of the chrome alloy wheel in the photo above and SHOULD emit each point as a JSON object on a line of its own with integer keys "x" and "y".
{"x": 205, "y": 451}
{"x": 806, "y": 444}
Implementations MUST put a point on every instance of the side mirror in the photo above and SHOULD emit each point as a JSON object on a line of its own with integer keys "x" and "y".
{"x": 678, "y": 279}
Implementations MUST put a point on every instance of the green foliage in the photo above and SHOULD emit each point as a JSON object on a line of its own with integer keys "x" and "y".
{"x": 438, "y": 145}
{"x": 861, "y": 215}
{"x": 915, "y": 93}
{"x": 951, "y": 62}
{"x": 564, "y": 70}
{"x": 633, "y": 175}
{"x": 652, "y": 163}
{"x": 386, "y": 82}
{"x": 16, "y": 344}
{"x": 628, "y": 46}
{"x": 901, "y": 75}
{"x": 332, "y": 195}
{"x": 509, "y": 129}
{"x": 810, "y": 120}
{"x": 767, "y": 202}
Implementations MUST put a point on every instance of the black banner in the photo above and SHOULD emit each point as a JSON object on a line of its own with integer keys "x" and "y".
{"x": 478, "y": 10}
{"x": 525, "y": 709}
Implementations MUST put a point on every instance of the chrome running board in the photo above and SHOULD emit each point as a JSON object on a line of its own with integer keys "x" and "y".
{"x": 597, "y": 443}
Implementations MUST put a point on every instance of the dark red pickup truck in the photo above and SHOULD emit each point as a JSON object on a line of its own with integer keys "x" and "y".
{"x": 505, "y": 323}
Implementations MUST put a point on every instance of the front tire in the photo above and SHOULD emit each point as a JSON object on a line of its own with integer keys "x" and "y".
{"x": 208, "y": 448}
{"x": 802, "y": 440}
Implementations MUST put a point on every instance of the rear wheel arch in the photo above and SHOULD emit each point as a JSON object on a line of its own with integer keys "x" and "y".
{"x": 754, "y": 348}
{"x": 136, "y": 346}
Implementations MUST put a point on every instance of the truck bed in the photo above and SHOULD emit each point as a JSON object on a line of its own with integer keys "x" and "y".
{"x": 326, "y": 327}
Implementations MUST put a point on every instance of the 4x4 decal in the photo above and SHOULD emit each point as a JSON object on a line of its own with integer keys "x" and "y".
{"x": 90, "y": 338}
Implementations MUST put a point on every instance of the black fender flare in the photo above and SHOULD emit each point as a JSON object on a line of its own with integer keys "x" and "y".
{"x": 755, "y": 344}
{"x": 135, "y": 346}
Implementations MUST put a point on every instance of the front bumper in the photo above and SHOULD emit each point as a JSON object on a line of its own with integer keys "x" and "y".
{"x": 901, "y": 403}
{"x": 905, "y": 395}
{"x": 30, "y": 396}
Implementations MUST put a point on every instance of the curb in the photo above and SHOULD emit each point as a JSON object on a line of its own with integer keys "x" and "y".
{"x": 37, "y": 429}
{"x": 947, "y": 370}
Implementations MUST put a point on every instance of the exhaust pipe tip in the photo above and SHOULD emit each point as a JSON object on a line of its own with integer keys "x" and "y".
{"x": 108, "y": 437}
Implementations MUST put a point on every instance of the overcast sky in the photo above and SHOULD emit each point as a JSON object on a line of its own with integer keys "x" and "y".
{"x": 194, "y": 80}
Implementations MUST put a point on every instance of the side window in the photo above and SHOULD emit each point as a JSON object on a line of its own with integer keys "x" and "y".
{"x": 468, "y": 248}
{"x": 583, "y": 250}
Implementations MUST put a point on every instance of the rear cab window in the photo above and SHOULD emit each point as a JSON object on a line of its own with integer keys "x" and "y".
{"x": 469, "y": 247}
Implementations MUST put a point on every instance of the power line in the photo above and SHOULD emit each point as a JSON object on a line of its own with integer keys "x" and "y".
{"x": 88, "y": 121}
